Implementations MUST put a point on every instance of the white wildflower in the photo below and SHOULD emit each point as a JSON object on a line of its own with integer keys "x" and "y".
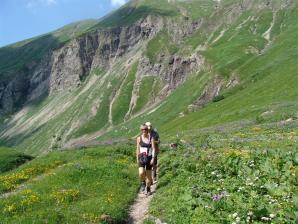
{"x": 265, "y": 218}
{"x": 272, "y": 216}
{"x": 235, "y": 215}
{"x": 250, "y": 213}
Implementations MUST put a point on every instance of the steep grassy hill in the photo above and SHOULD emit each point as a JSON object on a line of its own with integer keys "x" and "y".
{"x": 246, "y": 59}
{"x": 265, "y": 70}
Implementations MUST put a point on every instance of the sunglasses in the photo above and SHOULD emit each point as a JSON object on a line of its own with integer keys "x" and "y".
{"x": 146, "y": 129}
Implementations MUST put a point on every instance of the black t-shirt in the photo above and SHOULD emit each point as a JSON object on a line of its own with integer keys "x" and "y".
{"x": 155, "y": 136}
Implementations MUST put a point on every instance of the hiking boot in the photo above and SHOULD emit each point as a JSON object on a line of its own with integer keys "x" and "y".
{"x": 143, "y": 186}
{"x": 148, "y": 189}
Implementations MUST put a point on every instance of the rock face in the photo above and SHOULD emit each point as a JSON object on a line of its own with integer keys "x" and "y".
{"x": 65, "y": 68}
{"x": 11, "y": 93}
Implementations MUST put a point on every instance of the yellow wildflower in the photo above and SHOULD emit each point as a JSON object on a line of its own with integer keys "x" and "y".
{"x": 294, "y": 170}
{"x": 10, "y": 208}
{"x": 236, "y": 152}
{"x": 65, "y": 195}
{"x": 256, "y": 129}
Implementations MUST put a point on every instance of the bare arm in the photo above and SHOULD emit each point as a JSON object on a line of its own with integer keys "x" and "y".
{"x": 153, "y": 150}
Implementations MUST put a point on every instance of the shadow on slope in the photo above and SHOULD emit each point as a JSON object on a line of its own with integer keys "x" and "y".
{"x": 11, "y": 159}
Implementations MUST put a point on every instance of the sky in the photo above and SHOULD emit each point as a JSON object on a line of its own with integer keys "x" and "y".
{"x": 23, "y": 19}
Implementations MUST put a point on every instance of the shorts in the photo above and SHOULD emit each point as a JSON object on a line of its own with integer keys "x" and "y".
{"x": 146, "y": 165}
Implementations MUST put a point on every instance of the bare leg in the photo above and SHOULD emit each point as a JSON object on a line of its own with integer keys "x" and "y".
{"x": 149, "y": 178}
{"x": 142, "y": 173}
{"x": 154, "y": 171}
{"x": 142, "y": 178}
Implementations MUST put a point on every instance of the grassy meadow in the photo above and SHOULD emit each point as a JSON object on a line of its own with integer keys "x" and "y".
{"x": 80, "y": 186}
{"x": 247, "y": 175}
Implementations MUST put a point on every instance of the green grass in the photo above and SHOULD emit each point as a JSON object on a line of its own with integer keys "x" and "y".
{"x": 170, "y": 109}
{"x": 11, "y": 159}
{"x": 18, "y": 58}
{"x": 198, "y": 8}
{"x": 250, "y": 170}
{"x": 73, "y": 186}
{"x": 80, "y": 186}
{"x": 74, "y": 30}
{"x": 266, "y": 83}
{"x": 145, "y": 91}
{"x": 121, "y": 104}
{"x": 135, "y": 10}
{"x": 162, "y": 42}
{"x": 97, "y": 71}
{"x": 100, "y": 120}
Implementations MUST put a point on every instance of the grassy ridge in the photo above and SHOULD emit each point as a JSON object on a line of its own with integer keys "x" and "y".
{"x": 25, "y": 54}
{"x": 135, "y": 10}
{"x": 248, "y": 175}
{"x": 77, "y": 187}
{"x": 19, "y": 58}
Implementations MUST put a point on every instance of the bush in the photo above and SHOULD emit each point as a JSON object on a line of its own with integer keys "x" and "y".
{"x": 218, "y": 98}
{"x": 259, "y": 119}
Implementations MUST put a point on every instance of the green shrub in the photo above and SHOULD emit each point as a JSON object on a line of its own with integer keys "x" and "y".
{"x": 217, "y": 98}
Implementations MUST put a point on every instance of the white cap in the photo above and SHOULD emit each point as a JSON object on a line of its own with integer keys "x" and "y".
{"x": 148, "y": 124}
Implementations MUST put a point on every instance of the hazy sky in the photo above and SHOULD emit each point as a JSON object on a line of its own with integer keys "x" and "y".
{"x": 23, "y": 19}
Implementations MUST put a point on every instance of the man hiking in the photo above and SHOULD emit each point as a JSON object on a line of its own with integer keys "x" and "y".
{"x": 155, "y": 136}
{"x": 145, "y": 153}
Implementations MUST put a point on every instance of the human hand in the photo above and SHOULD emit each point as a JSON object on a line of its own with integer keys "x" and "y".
{"x": 152, "y": 161}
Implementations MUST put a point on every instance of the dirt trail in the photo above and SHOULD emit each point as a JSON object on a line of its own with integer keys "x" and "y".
{"x": 138, "y": 211}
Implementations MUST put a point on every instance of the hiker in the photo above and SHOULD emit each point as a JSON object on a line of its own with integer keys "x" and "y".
{"x": 145, "y": 153}
{"x": 155, "y": 136}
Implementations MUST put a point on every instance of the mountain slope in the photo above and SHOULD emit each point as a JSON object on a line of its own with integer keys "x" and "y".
{"x": 164, "y": 62}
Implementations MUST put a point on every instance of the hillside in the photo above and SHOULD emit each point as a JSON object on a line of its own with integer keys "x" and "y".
{"x": 157, "y": 55}
{"x": 218, "y": 78}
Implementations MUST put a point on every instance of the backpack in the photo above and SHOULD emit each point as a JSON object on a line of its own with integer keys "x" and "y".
{"x": 155, "y": 135}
